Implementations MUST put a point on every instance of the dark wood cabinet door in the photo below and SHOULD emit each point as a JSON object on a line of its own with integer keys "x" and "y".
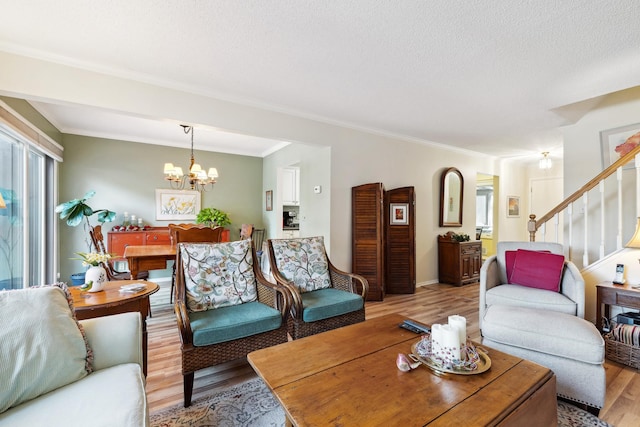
{"x": 400, "y": 250}
{"x": 458, "y": 262}
{"x": 367, "y": 252}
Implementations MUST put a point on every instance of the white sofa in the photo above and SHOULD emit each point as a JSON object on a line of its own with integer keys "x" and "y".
{"x": 112, "y": 395}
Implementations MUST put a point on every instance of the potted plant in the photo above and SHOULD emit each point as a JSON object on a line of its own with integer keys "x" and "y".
{"x": 462, "y": 237}
{"x": 213, "y": 217}
{"x": 74, "y": 212}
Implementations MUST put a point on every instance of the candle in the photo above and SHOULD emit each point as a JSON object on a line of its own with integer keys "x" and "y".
{"x": 460, "y": 323}
{"x": 436, "y": 339}
{"x": 450, "y": 342}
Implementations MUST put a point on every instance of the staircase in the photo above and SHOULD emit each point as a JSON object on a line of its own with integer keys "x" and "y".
{"x": 585, "y": 227}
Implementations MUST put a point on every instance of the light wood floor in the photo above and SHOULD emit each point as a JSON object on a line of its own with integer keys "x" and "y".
{"x": 430, "y": 304}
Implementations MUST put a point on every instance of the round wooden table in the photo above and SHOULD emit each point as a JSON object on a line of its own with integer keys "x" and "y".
{"x": 110, "y": 301}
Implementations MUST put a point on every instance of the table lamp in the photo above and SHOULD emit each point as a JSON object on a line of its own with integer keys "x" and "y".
{"x": 635, "y": 240}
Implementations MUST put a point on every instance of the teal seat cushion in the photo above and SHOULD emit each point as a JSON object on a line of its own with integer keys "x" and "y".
{"x": 233, "y": 322}
{"x": 325, "y": 303}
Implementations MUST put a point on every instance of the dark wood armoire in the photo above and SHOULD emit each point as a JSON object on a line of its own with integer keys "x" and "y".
{"x": 383, "y": 243}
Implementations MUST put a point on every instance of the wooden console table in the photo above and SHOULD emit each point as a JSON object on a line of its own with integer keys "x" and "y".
{"x": 609, "y": 294}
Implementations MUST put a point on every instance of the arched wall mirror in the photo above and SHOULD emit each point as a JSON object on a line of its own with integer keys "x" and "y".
{"x": 451, "y": 191}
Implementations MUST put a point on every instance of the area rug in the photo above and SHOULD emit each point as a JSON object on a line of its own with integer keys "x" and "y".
{"x": 251, "y": 404}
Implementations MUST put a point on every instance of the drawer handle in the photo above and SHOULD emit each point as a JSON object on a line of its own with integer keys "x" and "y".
{"x": 155, "y": 237}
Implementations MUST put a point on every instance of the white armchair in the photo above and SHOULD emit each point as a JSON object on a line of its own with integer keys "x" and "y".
{"x": 494, "y": 288}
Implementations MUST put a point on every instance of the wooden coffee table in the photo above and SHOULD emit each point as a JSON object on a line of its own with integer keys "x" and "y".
{"x": 88, "y": 305}
{"x": 348, "y": 376}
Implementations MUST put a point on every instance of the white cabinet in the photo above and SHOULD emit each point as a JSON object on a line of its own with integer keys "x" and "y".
{"x": 291, "y": 186}
{"x": 290, "y": 234}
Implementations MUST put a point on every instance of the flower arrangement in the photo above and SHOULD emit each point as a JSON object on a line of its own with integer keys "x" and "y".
{"x": 93, "y": 258}
{"x": 462, "y": 237}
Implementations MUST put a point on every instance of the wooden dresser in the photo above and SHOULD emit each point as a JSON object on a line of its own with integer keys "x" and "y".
{"x": 119, "y": 240}
{"x": 458, "y": 262}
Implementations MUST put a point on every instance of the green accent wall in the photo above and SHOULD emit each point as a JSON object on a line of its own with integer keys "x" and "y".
{"x": 125, "y": 175}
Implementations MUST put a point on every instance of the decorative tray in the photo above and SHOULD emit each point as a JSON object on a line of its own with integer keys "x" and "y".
{"x": 476, "y": 361}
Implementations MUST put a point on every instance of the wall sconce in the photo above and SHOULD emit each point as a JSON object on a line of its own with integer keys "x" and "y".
{"x": 545, "y": 161}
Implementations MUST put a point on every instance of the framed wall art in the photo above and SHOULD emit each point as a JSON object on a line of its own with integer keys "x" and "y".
{"x": 513, "y": 206}
{"x": 269, "y": 200}
{"x": 176, "y": 205}
{"x": 399, "y": 213}
{"x": 617, "y": 142}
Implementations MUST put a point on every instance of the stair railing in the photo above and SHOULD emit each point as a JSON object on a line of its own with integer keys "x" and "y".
{"x": 583, "y": 194}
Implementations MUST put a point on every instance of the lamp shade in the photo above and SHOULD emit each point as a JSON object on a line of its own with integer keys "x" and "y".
{"x": 3, "y": 205}
{"x": 168, "y": 168}
{"x": 213, "y": 173}
{"x": 635, "y": 240}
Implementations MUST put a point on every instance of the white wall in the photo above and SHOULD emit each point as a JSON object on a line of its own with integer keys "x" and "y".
{"x": 583, "y": 161}
{"x": 356, "y": 156}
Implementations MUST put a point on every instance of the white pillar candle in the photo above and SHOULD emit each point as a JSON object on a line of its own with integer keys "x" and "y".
{"x": 436, "y": 339}
{"x": 460, "y": 323}
{"x": 450, "y": 342}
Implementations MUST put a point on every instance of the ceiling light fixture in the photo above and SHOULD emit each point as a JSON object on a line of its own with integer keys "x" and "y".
{"x": 545, "y": 161}
{"x": 197, "y": 179}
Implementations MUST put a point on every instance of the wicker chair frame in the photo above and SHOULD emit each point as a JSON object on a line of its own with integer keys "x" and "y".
{"x": 342, "y": 280}
{"x": 195, "y": 358}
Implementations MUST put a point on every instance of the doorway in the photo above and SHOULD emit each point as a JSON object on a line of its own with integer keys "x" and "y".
{"x": 487, "y": 213}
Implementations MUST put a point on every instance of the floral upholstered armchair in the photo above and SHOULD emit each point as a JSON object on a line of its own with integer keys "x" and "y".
{"x": 224, "y": 306}
{"x": 324, "y": 297}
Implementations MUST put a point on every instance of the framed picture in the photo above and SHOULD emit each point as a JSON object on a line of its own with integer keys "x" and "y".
{"x": 399, "y": 213}
{"x": 269, "y": 200}
{"x": 513, "y": 206}
{"x": 175, "y": 205}
{"x": 617, "y": 142}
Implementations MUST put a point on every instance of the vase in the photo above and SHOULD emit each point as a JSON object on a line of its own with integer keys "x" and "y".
{"x": 98, "y": 277}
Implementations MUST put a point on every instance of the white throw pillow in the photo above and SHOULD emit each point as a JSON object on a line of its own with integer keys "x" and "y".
{"x": 43, "y": 347}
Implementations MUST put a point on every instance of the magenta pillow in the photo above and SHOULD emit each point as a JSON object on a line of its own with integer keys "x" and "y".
{"x": 510, "y": 258}
{"x": 542, "y": 270}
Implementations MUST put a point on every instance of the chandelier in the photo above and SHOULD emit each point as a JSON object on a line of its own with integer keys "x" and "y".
{"x": 197, "y": 179}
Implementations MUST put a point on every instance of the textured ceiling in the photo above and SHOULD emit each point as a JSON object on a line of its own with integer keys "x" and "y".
{"x": 493, "y": 76}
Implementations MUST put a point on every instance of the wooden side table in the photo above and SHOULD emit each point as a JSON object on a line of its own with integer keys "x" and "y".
{"x": 88, "y": 305}
{"x": 609, "y": 294}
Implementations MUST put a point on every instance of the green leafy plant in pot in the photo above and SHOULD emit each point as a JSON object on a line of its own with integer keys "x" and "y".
{"x": 213, "y": 217}
{"x": 74, "y": 212}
